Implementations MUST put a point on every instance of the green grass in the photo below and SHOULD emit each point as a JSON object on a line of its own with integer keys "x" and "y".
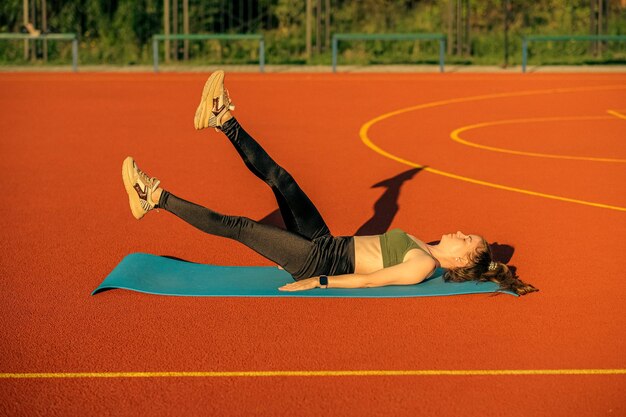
{"x": 486, "y": 52}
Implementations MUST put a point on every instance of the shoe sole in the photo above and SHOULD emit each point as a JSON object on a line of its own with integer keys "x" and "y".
{"x": 201, "y": 119}
{"x": 133, "y": 199}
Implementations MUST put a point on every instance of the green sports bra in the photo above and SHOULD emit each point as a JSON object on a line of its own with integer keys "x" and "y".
{"x": 394, "y": 245}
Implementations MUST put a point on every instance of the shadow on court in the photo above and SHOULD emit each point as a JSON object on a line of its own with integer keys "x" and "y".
{"x": 502, "y": 252}
{"x": 274, "y": 219}
{"x": 385, "y": 208}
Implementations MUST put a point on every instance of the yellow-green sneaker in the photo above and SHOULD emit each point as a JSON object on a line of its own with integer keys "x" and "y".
{"x": 139, "y": 187}
{"x": 214, "y": 103}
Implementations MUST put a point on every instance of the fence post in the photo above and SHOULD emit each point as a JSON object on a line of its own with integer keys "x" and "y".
{"x": 262, "y": 55}
{"x": 524, "y": 53}
{"x": 442, "y": 47}
{"x": 155, "y": 53}
{"x": 75, "y": 55}
{"x": 334, "y": 59}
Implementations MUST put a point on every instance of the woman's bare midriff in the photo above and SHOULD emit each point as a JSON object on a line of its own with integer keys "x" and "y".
{"x": 368, "y": 257}
{"x": 367, "y": 254}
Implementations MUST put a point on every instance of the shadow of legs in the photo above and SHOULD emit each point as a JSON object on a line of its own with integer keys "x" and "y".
{"x": 386, "y": 207}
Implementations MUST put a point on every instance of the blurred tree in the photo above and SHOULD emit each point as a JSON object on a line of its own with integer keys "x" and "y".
{"x": 482, "y": 31}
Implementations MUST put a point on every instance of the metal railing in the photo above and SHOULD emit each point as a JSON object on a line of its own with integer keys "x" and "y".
{"x": 220, "y": 36}
{"x": 48, "y": 36}
{"x": 389, "y": 37}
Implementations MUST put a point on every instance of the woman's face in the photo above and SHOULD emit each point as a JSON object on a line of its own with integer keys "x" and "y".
{"x": 460, "y": 245}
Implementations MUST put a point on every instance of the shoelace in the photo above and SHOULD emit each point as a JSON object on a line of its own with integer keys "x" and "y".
{"x": 230, "y": 104}
{"x": 227, "y": 104}
{"x": 215, "y": 119}
{"x": 152, "y": 183}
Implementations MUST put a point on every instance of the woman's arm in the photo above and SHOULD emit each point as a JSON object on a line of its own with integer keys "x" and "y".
{"x": 410, "y": 272}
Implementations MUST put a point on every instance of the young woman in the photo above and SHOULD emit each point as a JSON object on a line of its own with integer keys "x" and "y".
{"x": 307, "y": 249}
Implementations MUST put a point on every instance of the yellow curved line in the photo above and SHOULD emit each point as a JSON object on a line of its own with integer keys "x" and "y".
{"x": 456, "y": 136}
{"x": 616, "y": 114}
{"x": 418, "y": 372}
{"x": 368, "y": 142}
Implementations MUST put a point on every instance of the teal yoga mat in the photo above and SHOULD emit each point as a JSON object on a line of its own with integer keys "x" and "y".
{"x": 165, "y": 276}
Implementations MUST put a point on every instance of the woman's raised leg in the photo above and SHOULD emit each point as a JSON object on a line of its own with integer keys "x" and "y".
{"x": 299, "y": 213}
{"x": 285, "y": 248}
{"x": 282, "y": 247}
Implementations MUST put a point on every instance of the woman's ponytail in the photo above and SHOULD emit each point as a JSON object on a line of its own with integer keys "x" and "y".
{"x": 506, "y": 279}
{"x": 482, "y": 268}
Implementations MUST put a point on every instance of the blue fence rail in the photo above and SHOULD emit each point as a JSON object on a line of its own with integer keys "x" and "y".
{"x": 48, "y": 36}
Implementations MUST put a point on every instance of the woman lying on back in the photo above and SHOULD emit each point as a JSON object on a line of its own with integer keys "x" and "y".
{"x": 307, "y": 249}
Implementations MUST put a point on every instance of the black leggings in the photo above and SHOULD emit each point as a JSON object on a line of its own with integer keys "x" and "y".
{"x": 305, "y": 249}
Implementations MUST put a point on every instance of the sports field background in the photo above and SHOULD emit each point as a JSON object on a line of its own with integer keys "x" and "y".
{"x": 66, "y": 224}
{"x": 478, "y": 32}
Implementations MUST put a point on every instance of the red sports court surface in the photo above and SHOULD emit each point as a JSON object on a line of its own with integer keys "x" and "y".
{"x": 535, "y": 162}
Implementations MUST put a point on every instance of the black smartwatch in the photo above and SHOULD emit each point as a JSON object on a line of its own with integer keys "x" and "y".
{"x": 323, "y": 281}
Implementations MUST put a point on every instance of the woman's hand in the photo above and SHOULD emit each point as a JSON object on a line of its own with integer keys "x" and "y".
{"x": 305, "y": 284}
